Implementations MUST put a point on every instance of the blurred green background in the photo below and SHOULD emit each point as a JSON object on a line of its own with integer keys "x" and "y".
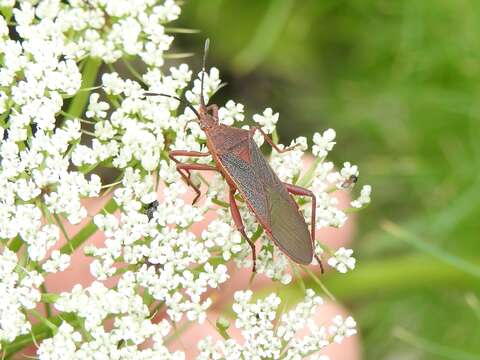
{"x": 400, "y": 82}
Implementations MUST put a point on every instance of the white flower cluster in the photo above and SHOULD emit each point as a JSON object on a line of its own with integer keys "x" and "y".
{"x": 46, "y": 170}
{"x": 266, "y": 336}
{"x": 342, "y": 260}
{"x": 171, "y": 251}
{"x": 57, "y": 262}
{"x": 288, "y": 165}
{"x": 19, "y": 291}
{"x": 231, "y": 113}
{"x": 323, "y": 143}
{"x": 101, "y": 28}
{"x": 267, "y": 121}
{"x": 132, "y": 325}
{"x": 364, "y": 198}
{"x": 40, "y": 69}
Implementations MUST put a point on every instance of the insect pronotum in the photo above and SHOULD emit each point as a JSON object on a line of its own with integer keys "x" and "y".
{"x": 240, "y": 161}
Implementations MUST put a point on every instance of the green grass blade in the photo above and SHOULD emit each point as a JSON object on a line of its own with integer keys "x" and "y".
{"x": 427, "y": 346}
{"x": 428, "y": 248}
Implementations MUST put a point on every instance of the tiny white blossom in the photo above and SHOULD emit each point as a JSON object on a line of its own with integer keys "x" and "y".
{"x": 267, "y": 120}
{"x": 57, "y": 262}
{"x": 231, "y": 113}
{"x": 323, "y": 143}
{"x": 342, "y": 260}
{"x": 182, "y": 75}
{"x": 96, "y": 108}
{"x": 112, "y": 83}
{"x": 364, "y": 197}
{"x": 342, "y": 328}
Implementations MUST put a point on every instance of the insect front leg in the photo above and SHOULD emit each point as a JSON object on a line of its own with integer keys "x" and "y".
{"x": 269, "y": 140}
{"x": 184, "y": 168}
{"x": 237, "y": 219}
{"x": 298, "y": 190}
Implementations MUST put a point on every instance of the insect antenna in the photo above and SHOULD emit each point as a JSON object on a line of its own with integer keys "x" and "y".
{"x": 205, "y": 53}
{"x": 186, "y": 102}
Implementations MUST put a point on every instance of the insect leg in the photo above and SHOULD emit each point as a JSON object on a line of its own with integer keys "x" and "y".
{"x": 184, "y": 168}
{"x": 297, "y": 190}
{"x": 272, "y": 144}
{"x": 237, "y": 219}
{"x": 174, "y": 153}
{"x": 181, "y": 167}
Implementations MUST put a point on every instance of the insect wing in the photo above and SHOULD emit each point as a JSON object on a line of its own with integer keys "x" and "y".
{"x": 269, "y": 200}
{"x": 288, "y": 227}
{"x": 289, "y": 230}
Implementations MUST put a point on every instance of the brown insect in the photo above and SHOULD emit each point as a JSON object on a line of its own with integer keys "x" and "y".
{"x": 240, "y": 161}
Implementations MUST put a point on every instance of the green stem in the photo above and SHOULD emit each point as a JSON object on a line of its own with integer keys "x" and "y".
{"x": 43, "y": 320}
{"x": 178, "y": 55}
{"x": 48, "y": 309}
{"x": 87, "y": 231}
{"x": 133, "y": 71}
{"x": 257, "y": 233}
{"x": 111, "y": 185}
{"x": 40, "y": 331}
{"x": 317, "y": 281}
{"x": 89, "y": 75}
{"x": 298, "y": 277}
{"x": 221, "y": 326}
{"x": 220, "y": 203}
{"x": 89, "y": 133}
{"x": 307, "y": 178}
{"x": 176, "y": 30}
{"x": 275, "y": 137}
{"x": 62, "y": 228}
{"x": 49, "y": 298}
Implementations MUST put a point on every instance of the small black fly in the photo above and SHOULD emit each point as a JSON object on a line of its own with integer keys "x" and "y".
{"x": 350, "y": 182}
{"x": 151, "y": 208}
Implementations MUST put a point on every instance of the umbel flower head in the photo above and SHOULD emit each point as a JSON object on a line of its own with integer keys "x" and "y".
{"x": 59, "y": 127}
{"x": 270, "y": 336}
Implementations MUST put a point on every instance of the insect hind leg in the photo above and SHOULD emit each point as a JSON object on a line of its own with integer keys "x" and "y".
{"x": 237, "y": 219}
